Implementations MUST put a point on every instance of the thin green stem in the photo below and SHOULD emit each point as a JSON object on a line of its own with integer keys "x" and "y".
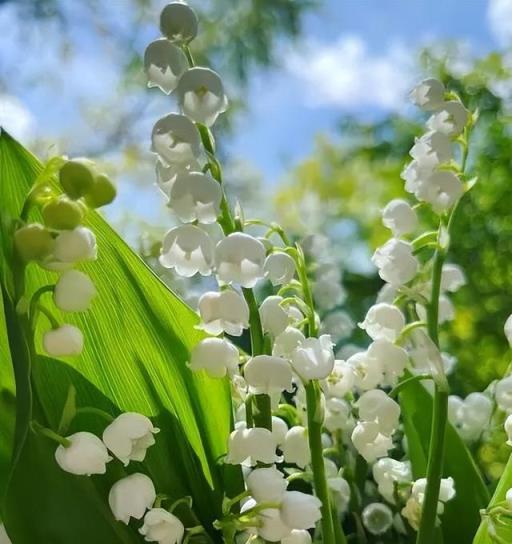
{"x": 34, "y": 301}
{"x": 48, "y": 433}
{"x": 412, "y": 379}
{"x": 53, "y": 321}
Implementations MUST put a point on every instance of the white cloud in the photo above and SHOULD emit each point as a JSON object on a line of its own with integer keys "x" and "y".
{"x": 15, "y": 118}
{"x": 347, "y": 75}
{"x": 499, "y": 15}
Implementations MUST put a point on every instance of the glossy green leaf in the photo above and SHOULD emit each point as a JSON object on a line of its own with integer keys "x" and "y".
{"x": 138, "y": 338}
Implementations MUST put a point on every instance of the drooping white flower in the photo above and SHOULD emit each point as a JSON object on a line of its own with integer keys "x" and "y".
{"x": 74, "y": 291}
{"x": 433, "y": 148}
{"x": 507, "y": 328}
{"x": 131, "y": 496}
{"x": 176, "y": 140}
{"x": 239, "y": 259}
{"x": 178, "y": 22}
{"x": 416, "y": 173}
{"x": 442, "y": 189}
{"x": 450, "y": 119}
{"x": 470, "y": 416}
{"x": 368, "y": 372}
{"x": 74, "y": 246}
{"x": 396, "y": 263}
{"x": 201, "y": 95}
{"x": 270, "y": 525}
{"x": 195, "y": 196}
{"x": 390, "y": 358}
{"x": 508, "y": 429}
{"x": 287, "y": 342}
{"x": 387, "y": 293}
{"x": 224, "y": 311}
{"x": 386, "y": 472}
{"x": 85, "y": 455}
{"x": 257, "y": 443}
{"x": 428, "y": 95}
{"x": 383, "y": 322}
{"x": 163, "y": 527}
{"x": 299, "y": 510}
{"x": 296, "y": 447}
{"x": 375, "y": 405}
{"x": 217, "y": 356}
{"x": 377, "y": 518}
{"x": 337, "y": 415}
{"x": 66, "y": 340}
{"x": 328, "y": 294}
{"x": 267, "y": 484}
{"x": 399, "y": 216}
{"x": 452, "y": 278}
{"x": 445, "y": 312}
{"x": 268, "y": 374}
{"x": 188, "y": 249}
{"x": 503, "y": 394}
{"x": 340, "y": 381}
{"x": 338, "y": 324}
{"x": 297, "y": 536}
{"x": 129, "y": 436}
{"x": 369, "y": 441}
{"x": 279, "y": 429}
{"x": 164, "y": 63}
{"x": 279, "y": 268}
{"x": 274, "y": 317}
{"x": 166, "y": 174}
{"x": 313, "y": 359}
{"x": 338, "y": 486}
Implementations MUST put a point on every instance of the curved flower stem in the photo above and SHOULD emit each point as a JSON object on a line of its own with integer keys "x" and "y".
{"x": 52, "y": 435}
{"x": 404, "y": 383}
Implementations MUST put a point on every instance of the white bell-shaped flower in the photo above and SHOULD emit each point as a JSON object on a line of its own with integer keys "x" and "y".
{"x": 386, "y": 472}
{"x": 399, "y": 216}
{"x": 274, "y": 317}
{"x": 446, "y": 310}
{"x": 446, "y": 489}
{"x": 387, "y": 293}
{"x": 131, "y": 496}
{"x": 188, "y": 249}
{"x": 217, "y": 356}
{"x": 129, "y": 436}
{"x": 73, "y": 246}
{"x": 299, "y": 510}
{"x": 370, "y": 442}
{"x": 368, "y": 372}
{"x": 239, "y": 259}
{"x": 270, "y": 525}
{"x": 279, "y": 268}
{"x": 508, "y": 429}
{"x": 164, "y": 64}
{"x": 392, "y": 360}
{"x": 224, "y": 311}
{"x": 256, "y": 444}
{"x": 296, "y": 447}
{"x": 432, "y": 148}
{"x": 416, "y": 173}
{"x": 178, "y": 22}
{"x": 166, "y": 174}
{"x": 375, "y": 405}
{"x": 195, "y": 196}
{"x": 470, "y": 416}
{"x": 396, "y": 263}
{"x": 85, "y": 455}
{"x": 163, "y": 527}
{"x": 452, "y": 278}
{"x": 267, "y": 484}
{"x": 328, "y": 294}
{"x": 201, "y": 95}
{"x": 297, "y": 536}
{"x": 176, "y": 140}
{"x": 314, "y": 358}
{"x": 338, "y": 324}
{"x": 442, "y": 189}
{"x": 279, "y": 429}
{"x": 287, "y": 342}
{"x": 74, "y": 291}
{"x": 383, "y": 321}
{"x": 503, "y": 394}
{"x": 67, "y": 340}
{"x": 340, "y": 381}
{"x": 507, "y": 328}
{"x": 337, "y": 415}
{"x": 428, "y": 95}
{"x": 450, "y": 119}
{"x": 268, "y": 374}
{"x": 377, "y": 518}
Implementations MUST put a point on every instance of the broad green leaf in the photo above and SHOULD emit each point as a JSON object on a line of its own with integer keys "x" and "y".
{"x": 138, "y": 338}
{"x": 462, "y": 514}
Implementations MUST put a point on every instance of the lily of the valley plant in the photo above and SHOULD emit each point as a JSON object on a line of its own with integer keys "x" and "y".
{"x": 318, "y": 437}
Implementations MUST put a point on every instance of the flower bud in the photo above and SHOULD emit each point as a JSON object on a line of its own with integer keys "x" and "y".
{"x": 178, "y": 22}
{"x": 85, "y": 455}
{"x": 450, "y": 119}
{"x": 195, "y": 196}
{"x": 77, "y": 177}
{"x": 33, "y": 242}
{"x": 452, "y": 278}
{"x": 176, "y": 139}
{"x": 130, "y": 497}
{"x": 201, "y": 95}
{"x": 74, "y": 291}
{"x": 383, "y": 321}
{"x": 162, "y": 526}
{"x": 279, "y": 268}
{"x": 101, "y": 193}
{"x": 164, "y": 64}
{"x": 314, "y": 358}
{"x": 296, "y": 447}
{"x": 267, "y": 484}
{"x": 299, "y": 510}
{"x": 129, "y": 436}
{"x": 297, "y": 536}
{"x": 377, "y": 518}
{"x": 224, "y": 311}
{"x": 428, "y": 95}
{"x": 65, "y": 341}
{"x": 188, "y": 250}
{"x": 239, "y": 258}
{"x": 399, "y": 216}
{"x": 396, "y": 263}
{"x": 268, "y": 374}
{"x": 62, "y": 213}
{"x": 217, "y": 356}
{"x": 274, "y": 318}
{"x": 74, "y": 246}
{"x": 503, "y": 393}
